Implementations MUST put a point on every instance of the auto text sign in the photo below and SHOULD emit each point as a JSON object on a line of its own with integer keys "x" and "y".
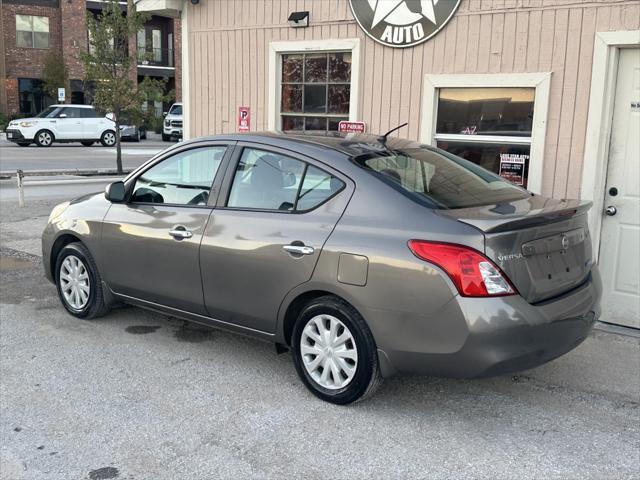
{"x": 351, "y": 127}
{"x": 403, "y": 23}
{"x": 244, "y": 119}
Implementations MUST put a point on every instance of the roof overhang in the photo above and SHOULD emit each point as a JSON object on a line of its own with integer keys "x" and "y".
{"x": 164, "y": 8}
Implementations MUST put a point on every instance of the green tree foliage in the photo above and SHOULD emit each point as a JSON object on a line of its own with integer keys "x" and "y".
{"x": 54, "y": 75}
{"x": 110, "y": 65}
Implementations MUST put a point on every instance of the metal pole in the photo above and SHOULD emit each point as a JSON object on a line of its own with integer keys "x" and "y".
{"x": 19, "y": 179}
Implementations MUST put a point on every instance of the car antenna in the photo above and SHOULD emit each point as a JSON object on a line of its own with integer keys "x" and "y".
{"x": 383, "y": 139}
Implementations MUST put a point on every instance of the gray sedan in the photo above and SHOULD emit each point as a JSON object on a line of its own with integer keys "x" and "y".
{"x": 365, "y": 257}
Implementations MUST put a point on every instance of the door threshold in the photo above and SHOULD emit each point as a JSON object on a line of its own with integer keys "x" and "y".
{"x": 619, "y": 329}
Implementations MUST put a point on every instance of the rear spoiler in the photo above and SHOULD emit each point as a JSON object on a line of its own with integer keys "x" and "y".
{"x": 519, "y": 214}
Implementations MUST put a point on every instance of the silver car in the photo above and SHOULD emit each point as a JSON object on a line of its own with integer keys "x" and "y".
{"x": 365, "y": 257}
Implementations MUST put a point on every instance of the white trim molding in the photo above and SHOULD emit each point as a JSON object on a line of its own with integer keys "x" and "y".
{"x": 278, "y": 48}
{"x": 596, "y": 152}
{"x": 540, "y": 81}
{"x": 186, "y": 74}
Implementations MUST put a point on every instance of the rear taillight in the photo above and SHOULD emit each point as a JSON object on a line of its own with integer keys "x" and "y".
{"x": 473, "y": 274}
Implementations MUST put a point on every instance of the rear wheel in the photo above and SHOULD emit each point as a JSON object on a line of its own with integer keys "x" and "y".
{"x": 44, "y": 138}
{"x": 108, "y": 138}
{"x": 87, "y": 144}
{"x": 334, "y": 352}
{"x": 79, "y": 283}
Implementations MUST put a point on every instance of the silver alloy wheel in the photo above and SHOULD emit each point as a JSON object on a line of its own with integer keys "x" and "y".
{"x": 74, "y": 282}
{"x": 109, "y": 139}
{"x": 44, "y": 139}
{"x": 329, "y": 352}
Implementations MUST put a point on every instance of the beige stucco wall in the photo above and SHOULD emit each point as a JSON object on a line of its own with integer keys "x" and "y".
{"x": 228, "y": 63}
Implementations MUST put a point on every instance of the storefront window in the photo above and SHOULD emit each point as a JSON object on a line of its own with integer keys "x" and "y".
{"x": 32, "y": 98}
{"x": 488, "y": 126}
{"x": 315, "y": 91}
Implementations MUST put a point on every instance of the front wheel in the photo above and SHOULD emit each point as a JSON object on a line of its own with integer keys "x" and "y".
{"x": 44, "y": 138}
{"x": 108, "y": 138}
{"x": 334, "y": 352}
{"x": 79, "y": 283}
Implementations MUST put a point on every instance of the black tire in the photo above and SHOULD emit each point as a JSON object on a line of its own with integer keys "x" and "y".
{"x": 108, "y": 138}
{"x": 44, "y": 138}
{"x": 87, "y": 144}
{"x": 367, "y": 377}
{"x": 137, "y": 137}
{"x": 24, "y": 144}
{"x": 96, "y": 305}
{"x": 165, "y": 138}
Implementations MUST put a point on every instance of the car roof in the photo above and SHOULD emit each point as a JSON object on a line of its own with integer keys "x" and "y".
{"x": 350, "y": 144}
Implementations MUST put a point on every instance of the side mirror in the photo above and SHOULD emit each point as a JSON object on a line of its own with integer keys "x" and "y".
{"x": 62, "y": 115}
{"x": 115, "y": 192}
{"x": 164, "y": 114}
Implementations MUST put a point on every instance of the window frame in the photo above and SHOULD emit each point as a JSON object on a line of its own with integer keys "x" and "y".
{"x": 33, "y": 32}
{"x": 540, "y": 82}
{"x": 223, "y": 197}
{"x": 214, "y": 190}
{"x": 277, "y": 49}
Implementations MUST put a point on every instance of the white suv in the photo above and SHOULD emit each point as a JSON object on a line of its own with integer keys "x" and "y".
{"x": 172, "y": 125}
{"x": 63, "y": 123}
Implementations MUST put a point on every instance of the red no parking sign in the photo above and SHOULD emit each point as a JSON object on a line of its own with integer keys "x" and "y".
{"x": 244, "y": 119}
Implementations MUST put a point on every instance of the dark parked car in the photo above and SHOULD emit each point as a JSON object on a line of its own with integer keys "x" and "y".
{"x": 364, "y": 257}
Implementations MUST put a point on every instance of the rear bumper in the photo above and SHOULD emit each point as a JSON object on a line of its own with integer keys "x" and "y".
{"x": 494, "y": 336}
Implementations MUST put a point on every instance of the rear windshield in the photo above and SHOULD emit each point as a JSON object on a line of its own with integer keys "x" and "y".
{"x": 176, "y": 110}
{"x": 439, "y": 179}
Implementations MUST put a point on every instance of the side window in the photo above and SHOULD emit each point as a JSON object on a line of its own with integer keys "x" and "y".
{"x": 70, "y": 112}
{"x": 183, "y": 179}
{"x": 270, "y": 181}
{"x": 88, "y": 113}
{"x": 317, "y": 187}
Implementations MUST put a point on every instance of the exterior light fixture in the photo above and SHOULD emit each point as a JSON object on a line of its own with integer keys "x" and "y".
{"x": 299, "y": 19}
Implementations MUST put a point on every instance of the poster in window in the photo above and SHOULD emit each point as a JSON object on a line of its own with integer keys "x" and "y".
{"x": 512, "y": 167}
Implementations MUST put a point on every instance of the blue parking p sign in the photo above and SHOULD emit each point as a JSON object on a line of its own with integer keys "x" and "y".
{"x": 61, "y": 94}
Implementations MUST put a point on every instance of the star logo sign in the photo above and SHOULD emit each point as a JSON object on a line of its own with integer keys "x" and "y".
{"x": 402, "y": 23}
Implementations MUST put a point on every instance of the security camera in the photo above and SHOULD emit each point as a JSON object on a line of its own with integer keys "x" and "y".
{"x": 195, "y": 2}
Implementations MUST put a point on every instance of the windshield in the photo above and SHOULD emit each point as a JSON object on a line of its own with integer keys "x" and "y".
{"x": 49, "y": 112}
{"x": 440, "y": 179}
{"x": 176, "y": 110}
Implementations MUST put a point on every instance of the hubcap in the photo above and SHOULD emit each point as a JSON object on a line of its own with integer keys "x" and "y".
{"x": 74, "y": 282}
{"x": 45, "y": 138}
{"x": 109, "y": 139}
{"x": 329, "y": 352}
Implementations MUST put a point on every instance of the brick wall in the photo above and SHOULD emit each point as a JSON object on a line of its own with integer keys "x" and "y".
{"x": 74, "y": 35}
{"x": 26, "y": 62}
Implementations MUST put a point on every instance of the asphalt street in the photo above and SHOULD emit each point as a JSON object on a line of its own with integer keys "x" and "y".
{"x": 138, "y": 395}
{"x": 73, "y": 156}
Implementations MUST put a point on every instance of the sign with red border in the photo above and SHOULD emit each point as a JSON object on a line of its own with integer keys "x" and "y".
{"x": 244, "y": 119}
{"x": 351, "y": 127}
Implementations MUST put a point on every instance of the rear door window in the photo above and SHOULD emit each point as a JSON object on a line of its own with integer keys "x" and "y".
{"x": 270, "y": 181}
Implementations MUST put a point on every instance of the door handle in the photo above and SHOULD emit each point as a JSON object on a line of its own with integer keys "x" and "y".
{"x": 299, "y": 249}
{"x": 610, "y": 210}
{"x": 179, "y": 232}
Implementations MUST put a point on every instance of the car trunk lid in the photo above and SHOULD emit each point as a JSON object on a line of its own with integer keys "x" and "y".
{"x": 541, "y": 244}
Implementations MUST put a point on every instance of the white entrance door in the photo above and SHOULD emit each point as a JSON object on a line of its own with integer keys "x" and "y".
{"x": 620, "y": 240}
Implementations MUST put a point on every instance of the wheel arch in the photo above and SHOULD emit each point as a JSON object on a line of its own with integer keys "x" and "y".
{"x": 60, "y": 242}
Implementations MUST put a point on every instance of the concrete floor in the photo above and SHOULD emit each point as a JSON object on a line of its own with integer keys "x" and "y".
{"x": 137, "y": 395}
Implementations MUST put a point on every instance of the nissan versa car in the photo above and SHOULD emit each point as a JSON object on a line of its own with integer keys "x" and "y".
{"x": 364, "y": 257}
